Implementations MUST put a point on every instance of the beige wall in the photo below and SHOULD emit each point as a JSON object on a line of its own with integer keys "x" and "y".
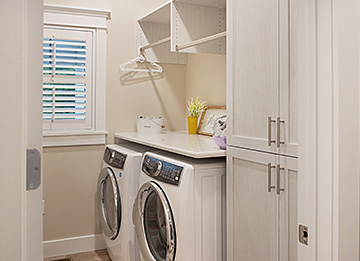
{"x": 206, "y": 78}
{"x": 70, "y": 173}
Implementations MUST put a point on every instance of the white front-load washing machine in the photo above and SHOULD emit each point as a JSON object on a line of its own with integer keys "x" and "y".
{"x": 179, "y": 209}
{"x": 116, "y": 191}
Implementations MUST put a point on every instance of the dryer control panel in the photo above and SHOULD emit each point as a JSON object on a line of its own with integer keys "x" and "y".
{"x": 114, "y": 158}
{"x": 162, "y": 170}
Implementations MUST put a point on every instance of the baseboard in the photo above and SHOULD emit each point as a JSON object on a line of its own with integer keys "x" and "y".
{"x": 73, "y": 245}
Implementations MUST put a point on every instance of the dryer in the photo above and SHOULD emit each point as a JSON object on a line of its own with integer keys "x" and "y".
{"x": 179, "y": 209}
{"x": 116, "y": 192}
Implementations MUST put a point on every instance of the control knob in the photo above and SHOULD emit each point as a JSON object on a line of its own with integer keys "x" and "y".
{"x": 158, "y": 168}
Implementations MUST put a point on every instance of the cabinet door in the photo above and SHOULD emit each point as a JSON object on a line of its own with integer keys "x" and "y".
{"x": 252, "y": 211}
{"x": 289, "y": 78}
{"x": 288, "y": 224}
{"x": 253, "y": 72}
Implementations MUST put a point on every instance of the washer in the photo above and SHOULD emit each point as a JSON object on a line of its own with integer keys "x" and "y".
{"x": 116, "y": 190}
{"x": 179, "y": 209}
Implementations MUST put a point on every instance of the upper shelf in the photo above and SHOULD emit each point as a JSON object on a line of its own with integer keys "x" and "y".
{"x": 160, "y": 15}
{"x": 194, "y": 26}
{"x": 194, "y": 20}
{"x": 155, "y": 27}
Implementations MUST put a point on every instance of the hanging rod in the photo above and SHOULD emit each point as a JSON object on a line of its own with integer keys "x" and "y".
{"x": 200, "y": 41}
{"x": 142, "y": 48}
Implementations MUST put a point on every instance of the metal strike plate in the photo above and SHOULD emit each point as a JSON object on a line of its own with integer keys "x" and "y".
{"x": 303, "y": 234}
{"x": 33, "y": 174}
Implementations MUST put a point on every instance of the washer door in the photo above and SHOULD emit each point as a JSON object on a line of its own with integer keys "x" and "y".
{"x": 154, "y": 223}
{"x": 109, "y": 203}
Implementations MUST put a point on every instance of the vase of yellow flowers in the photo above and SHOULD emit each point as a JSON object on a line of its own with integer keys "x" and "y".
{"x": 195, "y": 107}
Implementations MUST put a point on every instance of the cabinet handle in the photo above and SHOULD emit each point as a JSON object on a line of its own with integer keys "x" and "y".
{"x": 269, "y": 177}
{"x": 270, "y": 141}
{"x": 278, "y": 122}
{"x": 278, "y": 189}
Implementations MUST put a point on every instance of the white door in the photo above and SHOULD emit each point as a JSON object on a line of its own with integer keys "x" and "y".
{"x": 263, "y": 75}
{"x": 287, "y": 173}
{"x": 21, "y": 129}
{"x": 252, "y": 206}
{"x": 253, "y": 73}
{"x": 287, "y": 121}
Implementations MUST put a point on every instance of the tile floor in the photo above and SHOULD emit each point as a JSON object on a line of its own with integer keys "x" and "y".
{"x": 98, "y": 255}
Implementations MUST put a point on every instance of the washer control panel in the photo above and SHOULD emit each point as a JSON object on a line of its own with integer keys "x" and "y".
{"x": 162, "y": 170}
{"x": 114, "y": 158}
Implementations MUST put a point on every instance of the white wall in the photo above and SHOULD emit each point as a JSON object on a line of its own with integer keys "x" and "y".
{"x": 346, "y": 133}
{"x": 337, "y": 123}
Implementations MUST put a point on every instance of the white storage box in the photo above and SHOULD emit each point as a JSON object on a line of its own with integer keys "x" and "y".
{"x": 149, "y": 124}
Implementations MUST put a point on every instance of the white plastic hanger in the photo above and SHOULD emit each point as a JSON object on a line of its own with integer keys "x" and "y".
{"x": 141, "y": 59}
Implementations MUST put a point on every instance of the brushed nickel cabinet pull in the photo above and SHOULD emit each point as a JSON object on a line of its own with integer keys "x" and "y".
{"x": 278, "y": 189}
{"x": 269, "y": 177}
{"x": 270, "y": 141}
{"x": 278, "y": 122}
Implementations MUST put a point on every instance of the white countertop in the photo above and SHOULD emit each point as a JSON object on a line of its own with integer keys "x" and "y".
{"x": 180, "y": 142}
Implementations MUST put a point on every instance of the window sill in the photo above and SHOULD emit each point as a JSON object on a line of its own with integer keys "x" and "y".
{"x": 74, "y": 138}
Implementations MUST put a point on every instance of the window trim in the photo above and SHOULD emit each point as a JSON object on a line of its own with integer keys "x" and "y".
{"x": 83, "y": 18}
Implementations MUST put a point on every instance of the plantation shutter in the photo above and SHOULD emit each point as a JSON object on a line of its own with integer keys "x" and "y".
{"x": 67, "y": 79}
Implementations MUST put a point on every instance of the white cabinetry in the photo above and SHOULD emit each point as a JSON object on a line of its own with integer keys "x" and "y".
{"x": 262, "y": 136}
{"x": 262, "y": 206}
{"x": 261, "y": 89}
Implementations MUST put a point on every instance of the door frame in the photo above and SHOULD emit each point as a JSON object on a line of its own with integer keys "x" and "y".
{"x": 21, "y": 113}
{"x": 315, "y": 62}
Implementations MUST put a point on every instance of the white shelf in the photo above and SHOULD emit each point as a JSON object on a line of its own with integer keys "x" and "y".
{"x": 187, "y": 22}
{"x": 192, "y": 20}
{"x": 179, "y": 142}
{"x": 154, "y": 27}
{"x": 160, "y": 15}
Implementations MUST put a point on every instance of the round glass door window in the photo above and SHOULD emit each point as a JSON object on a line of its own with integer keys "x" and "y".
{"x": 157, "y": 225}
{"x": 109, "y": 203}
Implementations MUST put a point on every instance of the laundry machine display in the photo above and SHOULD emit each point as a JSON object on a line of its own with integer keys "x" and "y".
{"x": 175, "y": 216}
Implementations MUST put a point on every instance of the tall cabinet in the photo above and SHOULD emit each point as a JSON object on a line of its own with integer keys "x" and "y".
{"x": 262, "y": 135}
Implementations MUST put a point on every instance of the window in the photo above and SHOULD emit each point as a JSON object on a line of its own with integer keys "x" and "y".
{"x": 67, "y": 71}
{"x": 74, "y": 51}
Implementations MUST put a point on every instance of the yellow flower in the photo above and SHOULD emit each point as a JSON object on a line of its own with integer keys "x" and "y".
{"x": 195, "y": 107}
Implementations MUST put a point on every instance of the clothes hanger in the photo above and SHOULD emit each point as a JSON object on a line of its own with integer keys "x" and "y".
{"x": 141, "y": 59}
